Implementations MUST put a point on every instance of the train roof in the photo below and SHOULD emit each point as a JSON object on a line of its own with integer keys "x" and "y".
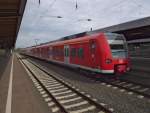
{"x": 75, "y": 37}
{"x": 69, "y": 39}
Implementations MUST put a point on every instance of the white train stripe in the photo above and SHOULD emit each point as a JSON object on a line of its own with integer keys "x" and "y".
{"x": 55, "y": 94}
{"x": 53, "y": 91}
{"x": 66, "y": 96}
{"x": 76, "y": 105}
{"x": 69, "y": 100}
{"x": 84, "y": 110}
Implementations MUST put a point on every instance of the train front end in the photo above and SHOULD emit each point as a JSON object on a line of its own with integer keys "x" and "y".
{"x": 119, "y": 53}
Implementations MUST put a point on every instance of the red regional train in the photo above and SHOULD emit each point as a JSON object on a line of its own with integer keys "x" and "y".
{"x": 99, "y": 53}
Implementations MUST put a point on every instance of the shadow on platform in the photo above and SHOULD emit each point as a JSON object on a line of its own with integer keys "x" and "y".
{"x": 4, "y": 61}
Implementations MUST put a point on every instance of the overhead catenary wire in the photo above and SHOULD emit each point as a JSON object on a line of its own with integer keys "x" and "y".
{"x": 118, "y": 6}
{"x": 40, "y": 15}
{"x": 104, "y": 13}
{"x": 76, "y": 5}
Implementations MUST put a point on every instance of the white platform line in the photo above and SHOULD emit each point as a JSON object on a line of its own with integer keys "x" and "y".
{"x": 9, "y": 96}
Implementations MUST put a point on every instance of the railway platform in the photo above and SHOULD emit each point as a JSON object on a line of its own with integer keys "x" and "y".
{"x": 17, "y": 93}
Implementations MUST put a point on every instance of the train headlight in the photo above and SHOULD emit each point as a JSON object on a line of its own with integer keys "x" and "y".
{"x": 108, "y": 61}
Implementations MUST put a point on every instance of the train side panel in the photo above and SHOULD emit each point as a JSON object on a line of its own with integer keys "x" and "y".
{"x": 105, "y": 57}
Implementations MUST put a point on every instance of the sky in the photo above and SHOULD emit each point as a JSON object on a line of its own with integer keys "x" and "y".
{"x": 40, "y": 23}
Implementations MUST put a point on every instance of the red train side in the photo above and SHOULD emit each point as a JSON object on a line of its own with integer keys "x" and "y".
{"x": 99, "y": 53}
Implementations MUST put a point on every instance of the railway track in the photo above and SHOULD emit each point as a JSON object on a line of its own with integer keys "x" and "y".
{"x": 131, "y": 87}
{"x": 61, "y": 96}
{"x": 139, "y": 76}
{"x": 126, "y": 85}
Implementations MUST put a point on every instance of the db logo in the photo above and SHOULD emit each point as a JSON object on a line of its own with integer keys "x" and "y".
{"x": 120, "y": 61}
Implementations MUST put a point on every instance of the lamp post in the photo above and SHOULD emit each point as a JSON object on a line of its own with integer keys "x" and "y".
{"x": 36, "y": 41}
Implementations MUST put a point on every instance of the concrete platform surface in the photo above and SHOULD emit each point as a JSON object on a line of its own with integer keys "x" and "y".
{"x": 25, "y": 97}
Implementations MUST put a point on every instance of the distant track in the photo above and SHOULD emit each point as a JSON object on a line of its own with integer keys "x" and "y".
{"x": 132, "y": 87}
{"x": 142, "y": 58}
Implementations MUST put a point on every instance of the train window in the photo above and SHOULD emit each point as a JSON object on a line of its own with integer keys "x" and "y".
{"x": 67, "y": 52}
{"x": 92, "y": 46}
{"x": 116, "y": 46}
{"x": 73, "y": 52}
{"x": 80, "y": 52}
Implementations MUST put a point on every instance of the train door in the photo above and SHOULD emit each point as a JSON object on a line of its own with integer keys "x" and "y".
{"x": 93, "y": 52}
{"x": 66, "y": 54}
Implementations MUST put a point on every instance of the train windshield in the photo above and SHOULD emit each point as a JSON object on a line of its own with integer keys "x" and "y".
{"x": 117, "y": 44}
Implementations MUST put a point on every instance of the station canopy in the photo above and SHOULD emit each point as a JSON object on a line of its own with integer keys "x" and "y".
{"x": 133, "y": 30}
{"x": 11, "y": 13}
